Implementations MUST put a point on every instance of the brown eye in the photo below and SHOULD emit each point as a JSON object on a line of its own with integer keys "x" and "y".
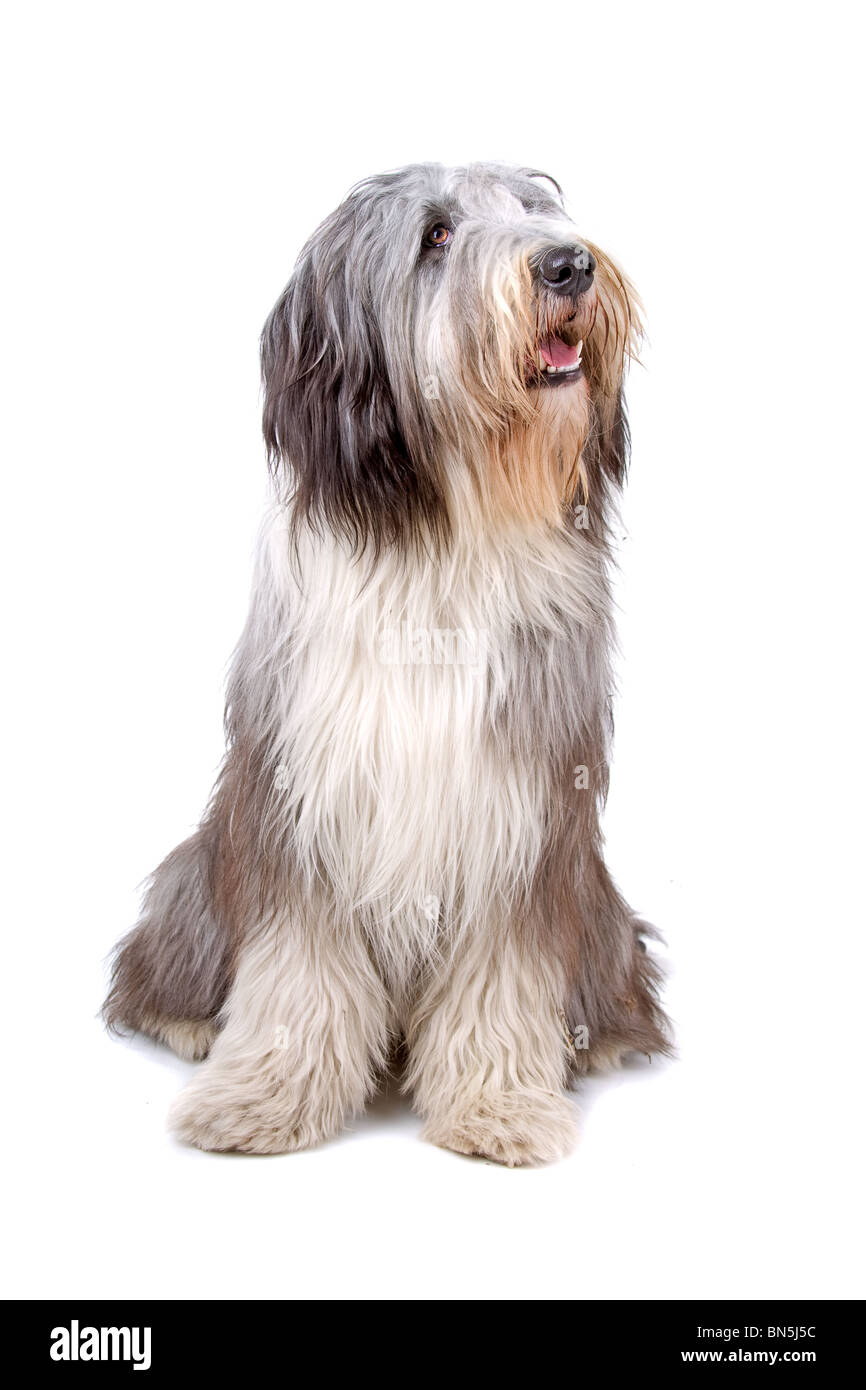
{"x": 440, "y": 235}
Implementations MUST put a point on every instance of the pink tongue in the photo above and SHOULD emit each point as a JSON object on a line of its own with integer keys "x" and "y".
{"x": 556, "y": 353}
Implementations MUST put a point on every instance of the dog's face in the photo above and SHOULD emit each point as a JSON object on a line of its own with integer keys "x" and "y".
{"x": 448, "y": 344}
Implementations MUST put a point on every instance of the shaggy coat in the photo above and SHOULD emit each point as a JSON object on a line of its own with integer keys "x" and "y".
{"x": 403, "y": 848}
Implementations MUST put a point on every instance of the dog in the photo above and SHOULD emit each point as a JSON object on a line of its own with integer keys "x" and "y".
{"x": 402, "y": 858}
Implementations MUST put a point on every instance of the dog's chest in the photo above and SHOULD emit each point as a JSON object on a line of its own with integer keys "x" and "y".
{"x": 413, "y": 786}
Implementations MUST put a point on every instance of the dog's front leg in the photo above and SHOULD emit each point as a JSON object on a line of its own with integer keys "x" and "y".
{"x": 487, "y": 1053}
{"x": 306, "y": 1031}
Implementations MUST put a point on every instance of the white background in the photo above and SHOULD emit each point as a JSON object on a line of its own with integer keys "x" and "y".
{"x": 163, "y": 164}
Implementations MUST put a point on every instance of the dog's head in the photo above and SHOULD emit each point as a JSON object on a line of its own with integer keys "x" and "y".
{"x": 447, "y": 344}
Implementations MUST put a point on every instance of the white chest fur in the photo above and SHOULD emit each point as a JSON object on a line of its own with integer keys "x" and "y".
{"x": 398, "y": 780}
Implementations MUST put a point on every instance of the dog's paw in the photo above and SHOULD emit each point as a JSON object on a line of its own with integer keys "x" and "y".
{"x": 191, "y": 1038}
{"x": 224, "y": 1112}
{"x": 517, "y": 1128}
{"x": 601, "y": 1059}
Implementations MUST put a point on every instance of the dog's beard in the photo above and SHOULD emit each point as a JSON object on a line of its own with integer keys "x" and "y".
{"x": 538, "y": 466}
{"x": 512, "y": 413}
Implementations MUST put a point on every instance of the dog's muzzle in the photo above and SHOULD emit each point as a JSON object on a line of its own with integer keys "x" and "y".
{"x": 563, "y": 276}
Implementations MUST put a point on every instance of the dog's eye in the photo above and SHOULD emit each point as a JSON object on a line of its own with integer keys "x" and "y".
{"x": 440, "y": 235}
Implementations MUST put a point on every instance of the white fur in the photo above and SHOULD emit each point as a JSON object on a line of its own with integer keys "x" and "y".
{"x": 488, "y": 1057}
{"x": 305, "y": 1033}
{"x": 391, "y": 777}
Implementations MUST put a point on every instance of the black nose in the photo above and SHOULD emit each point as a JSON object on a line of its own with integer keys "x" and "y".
{"x": 567, "y": 270}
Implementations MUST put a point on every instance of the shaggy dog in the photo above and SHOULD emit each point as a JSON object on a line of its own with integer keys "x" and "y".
{"x": 402, "y": 853}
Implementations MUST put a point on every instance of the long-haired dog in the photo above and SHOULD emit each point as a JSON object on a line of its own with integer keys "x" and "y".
{"x": 403, "y": 854}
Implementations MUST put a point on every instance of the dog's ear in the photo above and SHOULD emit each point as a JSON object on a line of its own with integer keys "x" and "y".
{"x": 330, "y": 418}
{"x": 606, "y": 452}
{"x": 614, "y": 438}
{"x": 614, "y": 342}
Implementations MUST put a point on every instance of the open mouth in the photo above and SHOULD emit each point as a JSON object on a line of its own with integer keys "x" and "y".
{"x": 557, "y": 362}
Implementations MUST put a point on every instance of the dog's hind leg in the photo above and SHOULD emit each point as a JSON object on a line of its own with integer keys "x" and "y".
{"x": 171, "y": 974}
{"x": 612, "y": 1006}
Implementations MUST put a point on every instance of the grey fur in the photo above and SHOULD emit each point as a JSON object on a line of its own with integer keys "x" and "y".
{"x": 410, "y": 495}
